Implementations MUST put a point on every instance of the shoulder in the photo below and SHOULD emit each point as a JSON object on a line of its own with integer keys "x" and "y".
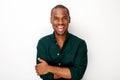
{"x": 76, "y": 38}
{"x": 77, "y": 41}
{"x": 45, "y": 39}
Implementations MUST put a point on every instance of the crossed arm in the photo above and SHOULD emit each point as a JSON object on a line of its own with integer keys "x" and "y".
{"x": 58, "y": 72}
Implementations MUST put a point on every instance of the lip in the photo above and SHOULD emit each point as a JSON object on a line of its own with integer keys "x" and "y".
{"x": 60, "y": 28}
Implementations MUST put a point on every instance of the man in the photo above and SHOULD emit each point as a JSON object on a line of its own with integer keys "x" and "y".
{"x": 61, "y": 55}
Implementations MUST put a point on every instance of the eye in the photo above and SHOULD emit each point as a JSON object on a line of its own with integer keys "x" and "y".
{"x": 55, "y": 18}
{"x": 65, "y": 18}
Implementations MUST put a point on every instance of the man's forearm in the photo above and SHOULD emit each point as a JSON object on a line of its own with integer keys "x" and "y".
{"x": 58, "y": 72}
{"x": 61, "y": 72}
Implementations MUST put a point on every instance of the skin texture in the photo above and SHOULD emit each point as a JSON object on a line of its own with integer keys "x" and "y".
{"x": 44, "y": 68}
{"x": 60, "y": 20}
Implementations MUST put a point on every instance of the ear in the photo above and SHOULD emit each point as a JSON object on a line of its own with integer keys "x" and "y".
{"x": 69, "y": 19}
{"x": 50, "y": 20}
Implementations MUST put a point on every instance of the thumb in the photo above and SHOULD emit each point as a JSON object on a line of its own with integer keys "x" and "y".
{"x": 40, "y": 60}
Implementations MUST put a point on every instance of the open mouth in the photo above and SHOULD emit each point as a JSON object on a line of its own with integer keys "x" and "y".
{"x": 60, "y": 28}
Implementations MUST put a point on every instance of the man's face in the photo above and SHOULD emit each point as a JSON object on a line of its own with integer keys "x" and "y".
{"x": 60, "y": 21}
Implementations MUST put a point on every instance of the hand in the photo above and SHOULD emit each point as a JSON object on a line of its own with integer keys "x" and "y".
{"x": 56, "y": 76}
{"x": 42, "y": 67}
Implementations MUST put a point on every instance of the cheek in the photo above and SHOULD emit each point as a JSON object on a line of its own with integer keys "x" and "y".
{"x": 54, "y": 27}
{"x": 54, "y": 23}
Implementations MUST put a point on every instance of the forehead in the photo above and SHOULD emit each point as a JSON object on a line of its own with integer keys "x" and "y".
{"x": 59, "y": 11}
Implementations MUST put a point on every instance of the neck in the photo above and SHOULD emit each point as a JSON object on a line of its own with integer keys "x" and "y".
{"x": 60, "y": 37}
{"x": 60, "y": 40}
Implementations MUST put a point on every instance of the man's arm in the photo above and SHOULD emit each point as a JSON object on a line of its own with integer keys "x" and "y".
{"x": 58, "y": 72}
{"x": 41, "y": 53}
{"x": 74, "y": 72}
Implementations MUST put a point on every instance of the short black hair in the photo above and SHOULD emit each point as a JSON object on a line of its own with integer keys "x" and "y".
{"x": 60, "y": 6}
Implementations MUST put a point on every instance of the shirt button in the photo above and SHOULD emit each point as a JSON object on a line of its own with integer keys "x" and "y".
{"x": 59, "y": 64}
{"x": 58, "y": 54}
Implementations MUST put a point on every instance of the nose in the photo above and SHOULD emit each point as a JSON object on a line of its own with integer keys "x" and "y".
{"x": 60, "y": 21}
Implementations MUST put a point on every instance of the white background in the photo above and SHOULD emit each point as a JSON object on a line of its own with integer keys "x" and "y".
{"x": 24, "y": 22}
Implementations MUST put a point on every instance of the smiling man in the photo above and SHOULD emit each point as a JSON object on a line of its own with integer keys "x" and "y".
{"x": 61, "y": 55}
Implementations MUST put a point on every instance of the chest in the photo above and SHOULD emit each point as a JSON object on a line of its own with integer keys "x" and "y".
{"x": 62, "y": 57}
{"x": 60, "y": 44}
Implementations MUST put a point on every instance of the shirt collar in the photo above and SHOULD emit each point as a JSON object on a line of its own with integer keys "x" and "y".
{"x": 53, "y": 35}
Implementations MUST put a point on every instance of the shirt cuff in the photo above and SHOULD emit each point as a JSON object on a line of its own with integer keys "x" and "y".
{"x": 48, "y": 76}
{"x": 76, "y": 74}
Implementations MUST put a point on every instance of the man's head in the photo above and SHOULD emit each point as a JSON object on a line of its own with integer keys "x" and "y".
{"x": 60, "y": 19}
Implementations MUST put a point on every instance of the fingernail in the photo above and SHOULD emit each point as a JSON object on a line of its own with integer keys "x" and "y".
{"x": 38, "y": 58}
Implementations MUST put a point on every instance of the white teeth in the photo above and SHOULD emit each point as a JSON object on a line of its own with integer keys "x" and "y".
{"x": 60, "y": 27}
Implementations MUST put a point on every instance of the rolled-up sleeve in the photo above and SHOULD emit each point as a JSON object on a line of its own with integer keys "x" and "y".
{"x": 80, "y": 62}
{"x": 41, "y": 54}
{"x": 47, "y": 76}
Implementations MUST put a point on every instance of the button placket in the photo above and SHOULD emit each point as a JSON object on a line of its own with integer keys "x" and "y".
{"x": 59, "y": 62}
{"x": 58, "y": 54}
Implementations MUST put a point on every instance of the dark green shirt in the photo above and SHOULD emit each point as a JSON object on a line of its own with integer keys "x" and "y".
{"x": 73, "y": 55}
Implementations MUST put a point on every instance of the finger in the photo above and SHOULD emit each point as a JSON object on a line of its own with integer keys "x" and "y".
{"x": 40, "y": 60}
{"x": 36, "y": 67}
{"x": 37, "y": 72}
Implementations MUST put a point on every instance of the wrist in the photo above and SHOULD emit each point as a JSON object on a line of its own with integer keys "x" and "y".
{"x": 50, "y": 68}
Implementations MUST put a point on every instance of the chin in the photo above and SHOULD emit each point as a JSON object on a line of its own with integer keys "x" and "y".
{"x": 60, "y": 33}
